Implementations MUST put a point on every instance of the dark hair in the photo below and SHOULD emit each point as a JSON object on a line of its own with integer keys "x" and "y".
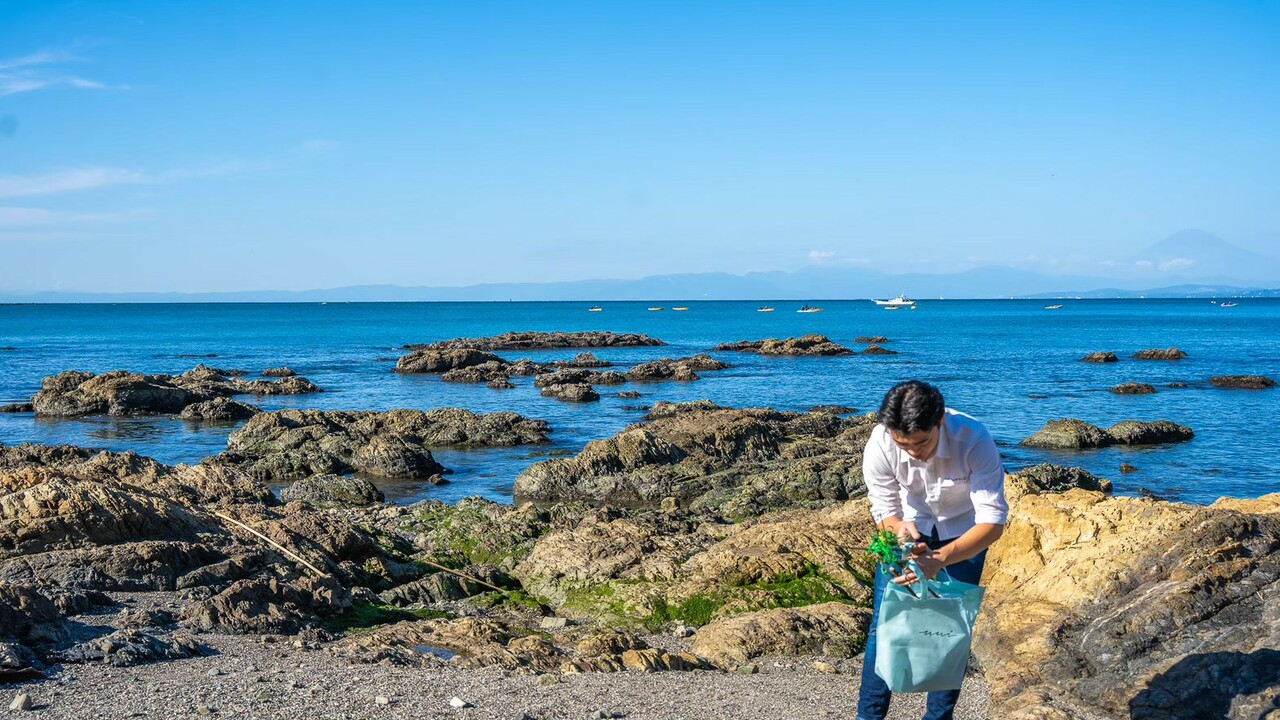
{"x": 911, "y": 407}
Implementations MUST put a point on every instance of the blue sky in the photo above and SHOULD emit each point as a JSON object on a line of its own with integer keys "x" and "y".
{"x": 293, "y": 145}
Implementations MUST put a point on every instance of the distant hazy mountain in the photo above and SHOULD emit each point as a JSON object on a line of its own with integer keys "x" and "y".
{"x": 1191, "y": 263}
{"x": 1204, "y": 257}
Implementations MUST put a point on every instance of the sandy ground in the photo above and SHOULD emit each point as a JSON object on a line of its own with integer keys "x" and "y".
{"x": 248, "y": 679}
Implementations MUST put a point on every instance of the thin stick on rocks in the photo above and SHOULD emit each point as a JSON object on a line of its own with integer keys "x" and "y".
{"x": 288, "y": 553}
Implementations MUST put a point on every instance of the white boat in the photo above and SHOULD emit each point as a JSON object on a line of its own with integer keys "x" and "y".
{"x": 1228, "y": 304}
{"x": 655, "y": 309}
{"x": 680, "y": 309}
{"x": 595, "y": 309}
{"x": 766, "y": 308}
{"x": 900, "y": 301}
{"x": 1052, "y": 307}
{"x": 807, "y": 309}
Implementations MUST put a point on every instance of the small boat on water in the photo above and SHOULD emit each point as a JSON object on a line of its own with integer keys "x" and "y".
{"x": 1228, "y": 304}
{"x": 656, "y": 309}
{"x": 680, "y": 309}
{"x": 766, "y": 308}
{"x": 595, "y": 309}
{"x": 1052, "y": 307}
{"x": 900, "y": 301}
{"x": 808, "y": 309}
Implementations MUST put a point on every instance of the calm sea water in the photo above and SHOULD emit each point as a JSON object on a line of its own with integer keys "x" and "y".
{"x": 1012, "y": 364}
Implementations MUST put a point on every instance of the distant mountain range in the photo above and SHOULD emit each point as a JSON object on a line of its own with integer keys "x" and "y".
{"x": 1191, "y": 263}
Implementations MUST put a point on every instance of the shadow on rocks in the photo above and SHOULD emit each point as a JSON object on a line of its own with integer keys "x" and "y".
{"x": 1208, "y": 685}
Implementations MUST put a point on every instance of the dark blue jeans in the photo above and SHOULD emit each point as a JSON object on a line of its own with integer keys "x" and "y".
{"x": 873, "y": 700}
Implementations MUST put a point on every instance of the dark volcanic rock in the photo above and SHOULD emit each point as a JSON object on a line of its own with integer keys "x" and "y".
{"x": 438, "y": 360}
{"x": 872, "y": 339}
{"x": 269, "y": 604}
{"x": 628, "y": 394}
{"x": 1167, "y": 354}
{"x": 294, "y": 444}
{"x": 1126, "y": 469}
{"x": 333, "y": 491}
{"x": 545, "y": 340}
{"x": 75, "y": 393}
{"x": 572, "y": 392}
{"x": 1076, "y": 434}
{"x": 575, "y": 376}
{"x": 1132, "y": 388}
{"x": 878, "y": 350}
{"x": 583, "y": 360}
{"x": 1050, "y": 478}
{"x": 125, "y": 648}
{"x": 1100, "y": 357}
{"x": 218, "y": 410}
{"x": 18, "y": 408}
{"x": 817, "y": 345}
{"x": 737, "y": 462}
{"x": 484, "y": 372}
{"x": 682, "y": 369}
{"x": 500, "y": 384}
{"x": 834, "y": 409}
{"x": 1243, "y": 382}
{"x": 279, "y": 372}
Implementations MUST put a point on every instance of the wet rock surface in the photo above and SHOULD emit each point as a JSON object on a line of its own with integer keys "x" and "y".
{"x": 333, "y": 491}
{"x": 74, "y": 393}
{"x": 1071, "y": 434}
{"x": 1100, "y": 357}
{"x": 1243, "y": 382}
{"x": 295, "y": 444}
{"x": 812, "y": 345}
{"x": 545, "y": 340}
{"x": 1172, "y": 353}
{"x": 218, "y": 410}
{"x": 1132, "y": 388}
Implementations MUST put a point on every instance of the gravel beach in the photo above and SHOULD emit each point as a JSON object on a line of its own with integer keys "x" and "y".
{"x": 246, "y": 678}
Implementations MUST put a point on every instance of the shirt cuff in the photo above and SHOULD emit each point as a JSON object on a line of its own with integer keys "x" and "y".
{"x": 990, "y": 517}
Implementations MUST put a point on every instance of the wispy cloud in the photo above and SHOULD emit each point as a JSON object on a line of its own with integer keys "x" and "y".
{"x": 29, "y": 217}
{"x": 821, "y": 257}
{"x": 44, "y": 69}
{"x": 1176, "y": 264}
{"x": 61, "y": 181}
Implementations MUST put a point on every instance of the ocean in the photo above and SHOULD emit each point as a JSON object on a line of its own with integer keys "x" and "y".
{"x": 1011, "y": 363}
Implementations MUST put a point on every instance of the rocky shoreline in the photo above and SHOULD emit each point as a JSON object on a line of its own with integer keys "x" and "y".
{"x": 703, "y": 562}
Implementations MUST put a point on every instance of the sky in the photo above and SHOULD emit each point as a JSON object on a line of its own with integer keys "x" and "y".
{"x": 160, "y": 146}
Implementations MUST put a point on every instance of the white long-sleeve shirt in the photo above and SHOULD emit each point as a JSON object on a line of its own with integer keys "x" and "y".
{"x": 962, "y": 485}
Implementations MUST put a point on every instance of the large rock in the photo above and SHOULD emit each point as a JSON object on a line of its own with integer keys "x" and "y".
{"x": 438, "y": 360}
{"x": 294, "y": 444}
{"x": 1243, "y": 382}
{"x": 1172, "y": 353}
{"x": 545, "y": 340}
{"x": 1100, "y": 357}
{"x": 1071, "y": 434}
{"x": 1133, "y": 388}
{"x": 574, "y": 376}
{"x": 817, "y": 345}
{"x": 269, "y": 605}
{"x": 571, "y": 392}
{"x": 742, "y": 462}
{"x": 682, "y": 369}
{"x": 112, "y": 521}
{"x": 73, "y": 393}
{"x": 833, "y": 629}
{"x": 125, "y": 648}
{"x": 218, "y": 410}
{"x": 333, "y": 491}
{"x": 1132, "y": 608}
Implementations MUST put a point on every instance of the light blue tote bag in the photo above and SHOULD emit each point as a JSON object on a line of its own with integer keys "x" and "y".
{"x": 922, "y": 639}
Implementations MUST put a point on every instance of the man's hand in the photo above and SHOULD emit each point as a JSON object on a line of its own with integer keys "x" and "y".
{"x": 909, "y": 537}
{"x": 930, "y": 564}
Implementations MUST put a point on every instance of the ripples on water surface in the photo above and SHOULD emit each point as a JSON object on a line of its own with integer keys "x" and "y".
{"x": 1012, "y": 364}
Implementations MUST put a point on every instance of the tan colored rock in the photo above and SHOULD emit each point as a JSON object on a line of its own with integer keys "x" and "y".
{"x": 1125, "y": 607}
{"x": 833, "y": 629}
